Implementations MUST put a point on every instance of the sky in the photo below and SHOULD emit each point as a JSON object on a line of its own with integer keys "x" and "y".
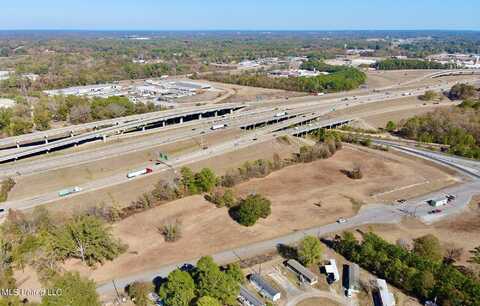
{"x": 240, "y": 14}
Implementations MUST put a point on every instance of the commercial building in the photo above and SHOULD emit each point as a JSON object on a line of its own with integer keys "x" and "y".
{"x": 249, "y": 299}
{"x": 385, "y": 297}
{"x": 353, "y": 280}
{"x": 438, "y": 202}
{"x": 303, "y": 273}
{"x": 265, "y": 289}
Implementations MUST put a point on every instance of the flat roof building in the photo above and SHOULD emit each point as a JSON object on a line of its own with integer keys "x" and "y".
{"x": 353, "y": 279}
{"x": 438, "y": 202}
{"x": 249, "y": 299}
{"x": 264, "y": 288}
{"x": 385, "y": 297}
{"x": 302, "y": 272}
{"x": 332, "y": 271}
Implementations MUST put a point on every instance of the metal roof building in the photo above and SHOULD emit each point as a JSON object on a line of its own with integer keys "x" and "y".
{"x": 353, "y": 279}
{"x": 302, "y": 272}
{"x": 332, "y": 270}
{"x": 249, "y": 299}
{"x": 386, "y": 297}
{"x": 265, "y": 289}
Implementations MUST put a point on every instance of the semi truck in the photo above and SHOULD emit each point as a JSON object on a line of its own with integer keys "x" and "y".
{"x": 139, "y": 172}
{"x": 218, "y": 126}
{"x": 281, "y": 114}
{"x": 68, "y": 191}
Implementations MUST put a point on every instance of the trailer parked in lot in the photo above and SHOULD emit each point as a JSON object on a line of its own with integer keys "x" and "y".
{"x": 68, "y": 191}
{"x": 139, "y": 173}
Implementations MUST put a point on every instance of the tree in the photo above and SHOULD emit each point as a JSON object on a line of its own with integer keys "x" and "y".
{"x": 188, "y": 181}
{"x": 428, "y": 246}
{"x": 391, "y": 126}
{"x": 179, "y": 290}
{"x": 139, "y": 291}
{"x": 211, "y": 281}
{"x": 42, "y": 116}
{"x": 309, "y": 251}
{"x": 208, "y": 301}
{"x": 252, "y": 208}
{"x": 462, "y": 92}
{"x": 205, "y": 180}
{"x": 235, "y": 272}
{"x": 84, "y": 237}
{"x": 429, "y": 95}
{"x": 74, "y": 290}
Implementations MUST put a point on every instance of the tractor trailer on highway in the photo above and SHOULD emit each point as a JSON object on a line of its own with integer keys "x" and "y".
{"x": 218, "y": 126}
{"x": 139, "y": 173}
{"x": 281, "y": 114}
{"x": 68, "y": 191}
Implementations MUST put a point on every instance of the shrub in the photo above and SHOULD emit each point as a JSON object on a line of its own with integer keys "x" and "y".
{"x": 171, "y": 231}
{"x": 251, "y": 209}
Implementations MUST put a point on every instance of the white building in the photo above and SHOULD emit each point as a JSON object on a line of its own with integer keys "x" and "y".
{"x": 385, "y": 297}
{"x": 438, "y": 202}
{"x": 332, "y": 271}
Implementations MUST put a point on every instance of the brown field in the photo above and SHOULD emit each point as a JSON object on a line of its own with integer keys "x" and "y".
{"x": 377, "y": 79}
{"x": 317, "y": 184}
{"x": 381, "y": 120}
{"x": 317, "y": 302}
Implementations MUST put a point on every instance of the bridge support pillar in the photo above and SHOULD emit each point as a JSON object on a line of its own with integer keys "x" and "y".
{"x": 71, "y": 133}
{"x": 216, "y": 113}
{"x": 199, "y": 116}
{"x": 164, "y": 123}
{"x": 17, "y": 144}
{"x": 231, "y": 110}
{"x": 143, "y": 128}
{"x": 104, "y": 138}
{"x": 46, "y": 140}
{"x": 181, "y": 120}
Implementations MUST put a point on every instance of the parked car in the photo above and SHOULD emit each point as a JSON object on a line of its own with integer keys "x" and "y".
{"x": 341, "y": 220}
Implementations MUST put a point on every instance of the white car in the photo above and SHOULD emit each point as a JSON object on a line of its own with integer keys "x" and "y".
{"x": 341, "y": 220}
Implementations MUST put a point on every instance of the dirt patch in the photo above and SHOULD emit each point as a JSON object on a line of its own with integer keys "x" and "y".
{"x": 316, "y": 302}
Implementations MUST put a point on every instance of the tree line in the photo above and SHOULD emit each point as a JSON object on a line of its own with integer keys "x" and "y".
{"x": 419, "y": 271}
{"x": 43, "y": 242}
{"x": 402, "y": 64}
{"x": 207, "y": 284}
{"x": 26, "y": 116}
{"x": 345, "y": 79}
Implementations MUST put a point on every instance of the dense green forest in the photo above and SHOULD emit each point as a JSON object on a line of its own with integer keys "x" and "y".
{"x": 420, "y": 272}
{"x": 345, "y": 79}
{"x": 400, "y": 64}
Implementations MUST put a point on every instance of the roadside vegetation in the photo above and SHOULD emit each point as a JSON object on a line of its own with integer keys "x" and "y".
{"x": 5, "y": 187}
{"x": 420, "y": 271}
